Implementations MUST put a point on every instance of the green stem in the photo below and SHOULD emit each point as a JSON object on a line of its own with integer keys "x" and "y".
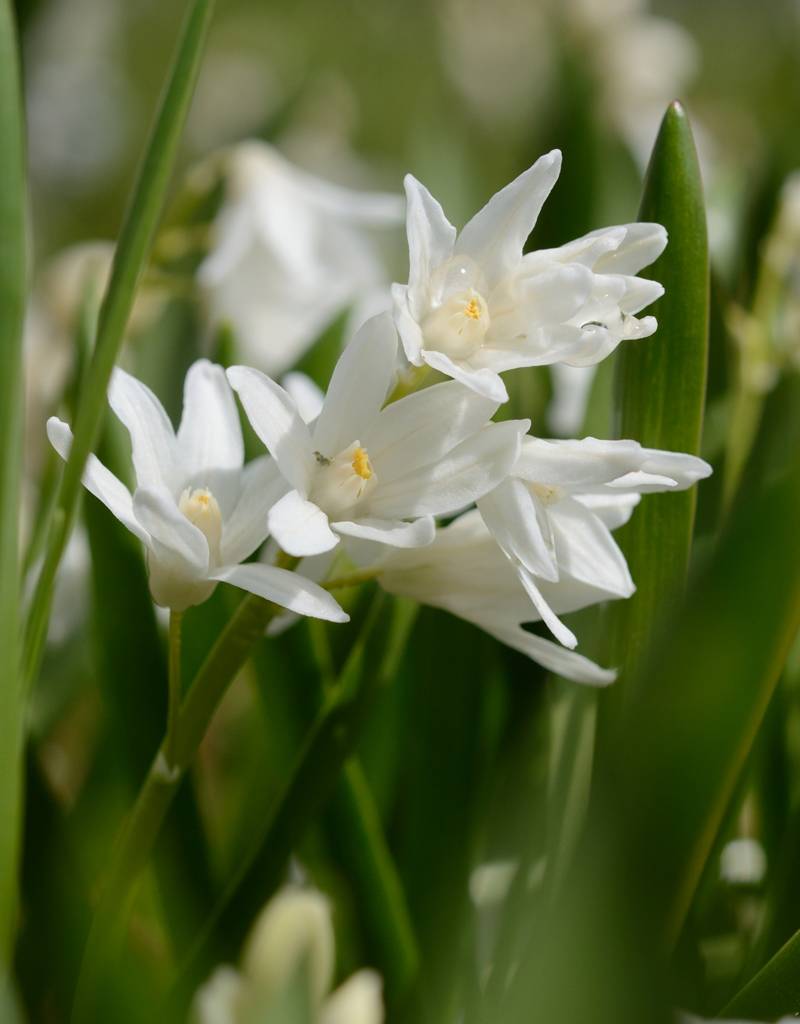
{"x": 13, "y": 289}
{"x": 354, "y": 579}
{"x": 141, "y": 830}
{"x": 135, "y": 242}
{"x": 174, "y": 686}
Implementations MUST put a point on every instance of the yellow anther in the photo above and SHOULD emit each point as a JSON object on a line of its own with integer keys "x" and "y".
{"x": 473, "y": 309}
{"x": 361, "y": 464}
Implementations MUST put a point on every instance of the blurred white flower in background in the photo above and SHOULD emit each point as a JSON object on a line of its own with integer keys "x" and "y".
{"x": 82, "y": 110}
{"x": 506, "y": 79}
{"x": 292, "y": 943}
{"x": 290, "y": 252}
{"x": 640, "y": 63}
{"x": 743, "y": 861}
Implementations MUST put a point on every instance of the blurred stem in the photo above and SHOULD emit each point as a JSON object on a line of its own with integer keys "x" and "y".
{"x": 13, "y": 294}
{"x": 409, "y": 382}
{"x": 133, "y": 247}
{"x": 325, "y": 748}
{"x": 174, "y": 691}
{"x": 354, "y": 579}
{"x": 754, "y": 350}
{"x": 143, "y": 825}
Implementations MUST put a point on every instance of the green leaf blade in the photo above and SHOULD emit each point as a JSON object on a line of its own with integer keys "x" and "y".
{"x": 661, "y": 384}
{"x": 13, "y": 291}
{"x": 134, "y": 245}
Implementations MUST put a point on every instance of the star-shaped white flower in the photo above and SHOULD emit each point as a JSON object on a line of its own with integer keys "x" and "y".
{"x": 196, "y": 507}
{"x": 475, "y": 306}
{"x": 375, "y": 473}
{"x": 555, "y": 512}
{"x": 465, "y": 573}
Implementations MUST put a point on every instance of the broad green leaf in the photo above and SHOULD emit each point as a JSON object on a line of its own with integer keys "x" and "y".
{"x": 13, "y": 286}
{"x": 133, "y": 248}
{"x": 702, "y": 696}
{"x": 661, "y": 383}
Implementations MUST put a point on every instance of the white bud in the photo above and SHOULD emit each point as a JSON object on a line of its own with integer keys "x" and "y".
{"x": 357, "y": 1001}
{"x": 295, "y": 928}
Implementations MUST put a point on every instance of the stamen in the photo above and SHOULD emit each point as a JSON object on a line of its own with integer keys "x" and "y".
{"x": 361, "y": 464}
{"x": 473, "y": 309}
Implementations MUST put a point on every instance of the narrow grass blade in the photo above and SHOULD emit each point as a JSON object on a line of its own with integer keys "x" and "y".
{"x": 13, "y": 285}
{"x": 661, "y": 384}
{"x": 775, "y": 991}
{"x": 135, "y": 242}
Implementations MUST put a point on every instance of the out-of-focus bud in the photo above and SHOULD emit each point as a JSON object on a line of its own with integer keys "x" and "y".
{"x": 357, "y": 1001}
{"x": 293, "y": 931}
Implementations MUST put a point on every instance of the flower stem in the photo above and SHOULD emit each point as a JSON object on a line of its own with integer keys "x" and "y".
{"x": 354, "y": 579}
{"x": 174, "y": 691}
{"x": 143, "y": 825}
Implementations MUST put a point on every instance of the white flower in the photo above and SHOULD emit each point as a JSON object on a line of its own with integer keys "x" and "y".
{"x": 555, "y": 512}
{"x": 291, "y": 251}
{"x": 378, "y": 474}
{"x": 464, "y": 572}
{"x": 475, "y": 305}
{"x": 293, "y": 932}
{"x": 196, "y": 507}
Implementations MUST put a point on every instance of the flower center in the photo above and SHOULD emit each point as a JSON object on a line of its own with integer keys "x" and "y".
{"x": 547, "y": 493}
{"x": 458, "y": 318}
{"x": 341, "y": 482}
{"x": 459, "y": 325}
{"x": 202, "y": 510}
{"x": 361, "y": 465}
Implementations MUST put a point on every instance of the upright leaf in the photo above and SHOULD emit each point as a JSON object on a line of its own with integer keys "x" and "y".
{"x": 133, "y": 248}
{"x": 13, "y": 283}
{"x": 661, "y": 384}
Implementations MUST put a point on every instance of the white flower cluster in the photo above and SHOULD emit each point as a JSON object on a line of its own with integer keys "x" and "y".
{"x": 371, "y": 471}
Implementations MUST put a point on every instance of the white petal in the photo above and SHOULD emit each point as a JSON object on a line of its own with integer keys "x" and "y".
{"x": 612, "y": 509}
{"x": 357, "y": 1001}
{"x": 288, "y": 589}
{"x": 551, "y": 620}
{"x": 554, "y": 658}
{"x": 358, "y": 386}
{"x": 174, "y": 540}
{"x": 152, "y": 436}
{"x": 98, "y": 480}
{"x": 430, "y": 241}
{"x": 307, "y": 396}
{"x": 300, "y": 527}
{"x": 586, "y": 550}
{"x": 396, "y": 533}
{"x": 510, "y": 513}
{"x": 246, "y": 527}
{"x": 495, "y": 236}
{"x": 482, "y": 381}
{"x": 422, "y": 427}
{"x": 209, "y": 437}
{"x": 407, "y": 327}
{"x": 274, "y": 417}
{"x": 642, "y": 245}
{"x": 470, "y": 470}
{"x": 554, "y": 295}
